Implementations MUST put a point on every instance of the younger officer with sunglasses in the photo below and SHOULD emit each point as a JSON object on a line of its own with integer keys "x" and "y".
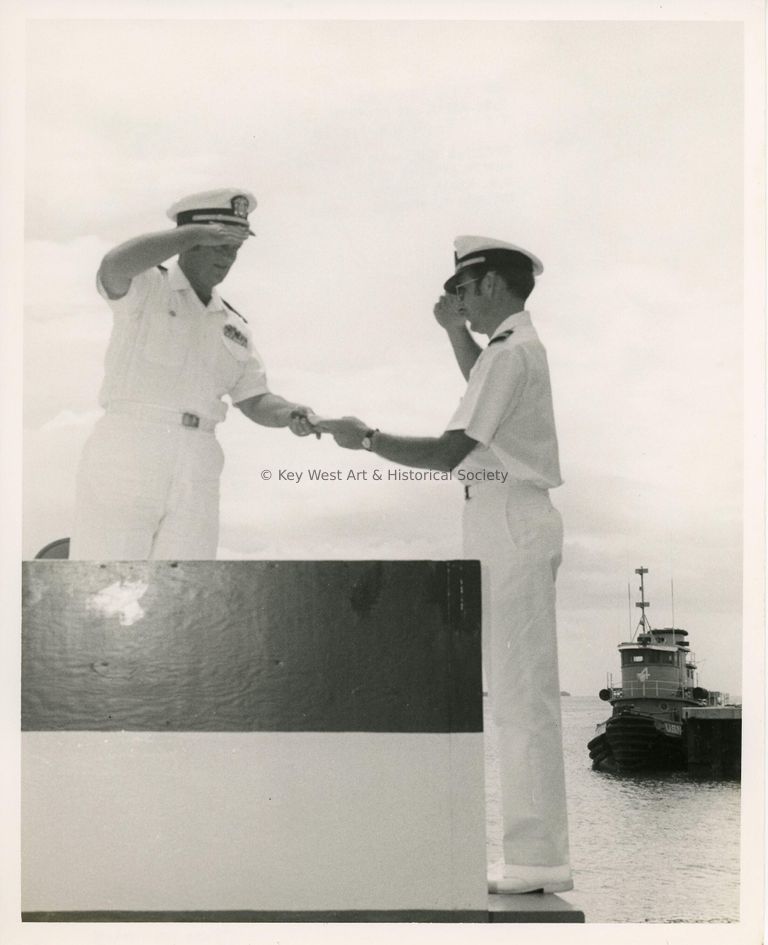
{"x": 502, "y": 440}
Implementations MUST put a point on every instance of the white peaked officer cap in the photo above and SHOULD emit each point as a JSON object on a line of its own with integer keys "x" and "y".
{"x": 229, "y": 205}
{"x": 489, "y": 254}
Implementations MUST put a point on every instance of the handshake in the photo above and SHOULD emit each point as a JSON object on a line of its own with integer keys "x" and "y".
{"x": 348, "y": 432}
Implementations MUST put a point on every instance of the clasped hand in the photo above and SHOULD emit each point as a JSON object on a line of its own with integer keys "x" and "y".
{"x": 348, "y": 432}
{"x": 302, "y": 421}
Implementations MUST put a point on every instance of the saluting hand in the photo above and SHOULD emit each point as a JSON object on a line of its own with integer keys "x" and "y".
{"x": 216, "y": 234}
{"x": 447, "y": 312}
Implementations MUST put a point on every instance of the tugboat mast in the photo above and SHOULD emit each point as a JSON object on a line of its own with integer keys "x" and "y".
{"x": 642, "y": 603}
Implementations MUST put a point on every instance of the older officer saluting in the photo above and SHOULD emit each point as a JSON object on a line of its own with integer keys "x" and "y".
{"x": 502, "y": 440}
{"x": 148, "y": 482}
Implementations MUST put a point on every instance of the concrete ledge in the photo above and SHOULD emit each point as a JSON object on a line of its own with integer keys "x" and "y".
{"x": 532, "y": 907}
{"x": 529, "y": 908}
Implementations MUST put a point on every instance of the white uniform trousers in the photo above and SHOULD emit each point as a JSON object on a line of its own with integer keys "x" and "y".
{"x": 517, "y": 535}
{"x": 147, "y": 490}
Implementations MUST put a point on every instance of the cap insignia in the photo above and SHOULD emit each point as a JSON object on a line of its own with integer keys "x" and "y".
{"x": 240, "y": 206}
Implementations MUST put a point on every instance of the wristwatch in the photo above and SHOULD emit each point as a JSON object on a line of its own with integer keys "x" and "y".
{"x": 367, "y": 441}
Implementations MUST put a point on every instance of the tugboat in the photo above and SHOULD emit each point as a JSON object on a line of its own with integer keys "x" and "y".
{"x": 658, "y": 683}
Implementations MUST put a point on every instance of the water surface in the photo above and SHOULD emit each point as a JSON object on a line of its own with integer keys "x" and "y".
{"x": 661, "y": 848}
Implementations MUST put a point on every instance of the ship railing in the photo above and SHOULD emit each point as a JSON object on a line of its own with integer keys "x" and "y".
{"x": 661, "y": 690}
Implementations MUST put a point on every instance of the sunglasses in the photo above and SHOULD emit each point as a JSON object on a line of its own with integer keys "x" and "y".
{"x": 459, "y": 290}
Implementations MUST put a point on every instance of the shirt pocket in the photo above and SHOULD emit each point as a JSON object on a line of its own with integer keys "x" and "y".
{"x": 167, "y": 339}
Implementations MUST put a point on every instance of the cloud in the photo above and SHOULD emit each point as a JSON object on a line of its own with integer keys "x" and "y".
{"x": 60, "y": 277}
{"x": 50, "y": 460}
{"x": 70, "y": 418}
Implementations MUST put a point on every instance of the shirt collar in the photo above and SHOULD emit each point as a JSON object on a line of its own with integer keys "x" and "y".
{"x": 178, "y": 281}
{"x": 518, "y": 320}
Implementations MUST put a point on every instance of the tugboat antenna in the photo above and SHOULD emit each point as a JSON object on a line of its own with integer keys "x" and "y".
{"x": 672, "y": 587}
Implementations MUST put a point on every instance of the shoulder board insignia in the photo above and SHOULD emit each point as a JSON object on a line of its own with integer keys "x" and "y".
{"x": 162, "y": 269}
{"x": 502, "y": 337}
{"x": 235, "y": 311}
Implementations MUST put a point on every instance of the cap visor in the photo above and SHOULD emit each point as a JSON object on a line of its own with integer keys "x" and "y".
{"x": 450, "y": 285}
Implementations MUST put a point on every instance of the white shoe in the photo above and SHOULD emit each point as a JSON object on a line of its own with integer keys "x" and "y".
{"x": 529, "y": 879}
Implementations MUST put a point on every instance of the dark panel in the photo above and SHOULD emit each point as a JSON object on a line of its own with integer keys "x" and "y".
{"x": 378, "y": 646}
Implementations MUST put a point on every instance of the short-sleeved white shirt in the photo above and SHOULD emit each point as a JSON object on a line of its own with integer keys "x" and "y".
{"x": 169, "y": 350}
{"x": 507, "y": 407}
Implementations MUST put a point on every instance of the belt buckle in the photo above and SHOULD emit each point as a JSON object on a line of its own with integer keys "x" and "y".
{"x": 190, "y": 420}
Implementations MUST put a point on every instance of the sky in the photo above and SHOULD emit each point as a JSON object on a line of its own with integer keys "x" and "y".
{"x": 614, "y": 150}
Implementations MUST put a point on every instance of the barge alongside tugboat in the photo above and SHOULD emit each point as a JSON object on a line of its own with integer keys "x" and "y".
{"x": 662, "y": 719}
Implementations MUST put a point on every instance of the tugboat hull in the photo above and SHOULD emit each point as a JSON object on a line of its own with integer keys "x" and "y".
{"x": 629, "y": 743}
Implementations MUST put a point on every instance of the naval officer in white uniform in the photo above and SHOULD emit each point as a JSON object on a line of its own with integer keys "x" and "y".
{"x": 502, "y": 440}
{"x": 148, "y": 481}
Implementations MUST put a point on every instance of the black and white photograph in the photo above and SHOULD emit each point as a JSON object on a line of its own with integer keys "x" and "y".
{"x": 384, "y": 434}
